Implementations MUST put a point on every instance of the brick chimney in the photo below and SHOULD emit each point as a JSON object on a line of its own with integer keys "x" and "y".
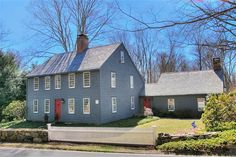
{"x": 218, "y": 69}
{"x": 81, "y": 43}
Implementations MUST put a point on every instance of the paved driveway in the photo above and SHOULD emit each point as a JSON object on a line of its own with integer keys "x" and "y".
{"x": 20, "y": 152}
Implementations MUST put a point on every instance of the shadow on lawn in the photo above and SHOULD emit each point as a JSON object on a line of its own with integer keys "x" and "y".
{"x": 28, "y": 124}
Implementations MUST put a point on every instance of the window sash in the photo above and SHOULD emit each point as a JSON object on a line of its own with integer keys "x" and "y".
{"x": 122, "y": 57}
{"x": 86, "y": 79}
{"x": 132, "y": 102}
{"x": 35, "y": 106}
{"x": 114, "y": 104}
{"x": 71, "y": 106}
{"x": 71, "y": 80}
{"x": 47, "y": 106}
{"x": 131, "y": 81}
{"x": 57, "y": 81}
{"x": 86, "y": 106}
{"x": 113, "y": 80}
{"x": 36, "y": 83}
{"x": 171, "y": 104}
{"x": 201, "y": 104}
{"x": 47, "y": 83}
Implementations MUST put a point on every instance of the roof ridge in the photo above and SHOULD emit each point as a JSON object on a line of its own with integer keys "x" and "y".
{"x": 117, "y": 43}
{"x": 193, "y": 71}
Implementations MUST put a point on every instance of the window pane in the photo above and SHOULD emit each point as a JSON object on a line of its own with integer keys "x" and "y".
{"x": 122, "y": 57}
{"x": 58, "y": 82}
{"x": 113, "y": 80}
{"x": 47, "y": 106}
{"x": 71, "y": 106}
{"x": 86, "y": 105}
{"x": 132, "y": 102}
{"x": 86, "y": 79}
{"x": 35, "y": 106}
{"x": 71, "y": 80}
{"x": 114, "y": 104}
{"x": 47, "y": 83}
{"x": 201, "y": 104}
{"x": 36, "y": 83}
{"x": 171, "y": 104}
{"x": 131, "y": 81}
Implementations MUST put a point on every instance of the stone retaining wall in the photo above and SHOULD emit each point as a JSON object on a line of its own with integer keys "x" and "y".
{"x": 164, "y": 138}
{"x": 23, "y": 135}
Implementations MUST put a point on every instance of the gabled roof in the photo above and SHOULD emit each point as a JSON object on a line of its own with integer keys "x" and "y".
{"x": 91, "y": 59}
{"x": 185, "y": 83}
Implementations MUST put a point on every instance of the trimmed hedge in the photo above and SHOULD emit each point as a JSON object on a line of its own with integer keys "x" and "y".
{"x": 217, "y": 145}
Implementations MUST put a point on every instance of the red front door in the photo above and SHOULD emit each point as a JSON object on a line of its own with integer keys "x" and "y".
{"x": 57, "y": 109}
{"x": 147, "y": 102}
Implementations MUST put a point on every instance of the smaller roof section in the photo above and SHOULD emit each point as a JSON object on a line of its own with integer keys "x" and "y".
{"x": 185, "y": 83}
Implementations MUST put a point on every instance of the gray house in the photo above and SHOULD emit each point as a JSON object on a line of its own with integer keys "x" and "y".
{"x": 90, "y": 85}
{"x": 181, "y": 94}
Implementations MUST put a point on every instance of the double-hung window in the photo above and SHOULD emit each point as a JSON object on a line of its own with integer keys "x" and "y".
{"x": 71, "y": 80}
{"x": 132, "y": 104}
{"x": 131, "y": 80}
{"x": 171, "y": 104}
{"x": 36, "y": 84}
{"x": 113, "y": 80}
{"x": 86, "y": 79}
{"x": 47, "y": 83}
{"x": 35, "y": 106}
{"x": 114, "y": 104}
{"x": 47, "y": 106}
{"x": 86, "y": 105}
{"x": 57, "y": 81}
{"x": 122, "y": 57}
{"x": 201, "y": 104}
{"x": 71, "y": 106}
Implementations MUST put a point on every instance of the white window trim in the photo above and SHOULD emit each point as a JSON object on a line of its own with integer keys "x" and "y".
{"x": 56, "y": 81}
{"x": 122, "y": 56}
{"x": 69, "y": 106}
{"x": 132, "y": 103}
{"x": 85, "y": 86}
{"x": 131, "y": 81}
{"x": 36, "y": 100}
{"x": 45, "y": 86}
{"x": 113, "y": 111}
{"x": 113, "y": 85}
{"x": 171, "y": 110}
{"x": 71, "y": 75}
{"x": 88, "y": 104}
{"x": 48, "y": 105}
{"x": 36, "y": 89}
{"x": 198, "y": 104}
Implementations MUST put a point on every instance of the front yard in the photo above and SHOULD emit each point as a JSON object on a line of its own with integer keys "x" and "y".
{"x": 164, "y": 125}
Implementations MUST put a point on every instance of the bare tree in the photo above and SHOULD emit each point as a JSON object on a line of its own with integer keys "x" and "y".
{"x": 59, "y": 21}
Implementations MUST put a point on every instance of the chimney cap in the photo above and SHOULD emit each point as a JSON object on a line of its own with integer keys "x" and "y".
{"x": 82, "y": 34}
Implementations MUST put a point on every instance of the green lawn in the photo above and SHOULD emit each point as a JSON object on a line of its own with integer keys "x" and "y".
{"x": 164, "y": 125}
{"x": 23, "y": 124}
{"x": 175, "y": 126}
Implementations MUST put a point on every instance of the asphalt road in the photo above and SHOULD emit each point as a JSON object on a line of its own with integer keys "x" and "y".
{"x": 21, "y": 152}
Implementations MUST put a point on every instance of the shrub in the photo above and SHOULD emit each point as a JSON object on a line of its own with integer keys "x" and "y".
{"x": 224, "y": 126}
{"x": 219, "y": 109}
{"x": 213, "y": 145}
{"x": 15, "y": 110}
